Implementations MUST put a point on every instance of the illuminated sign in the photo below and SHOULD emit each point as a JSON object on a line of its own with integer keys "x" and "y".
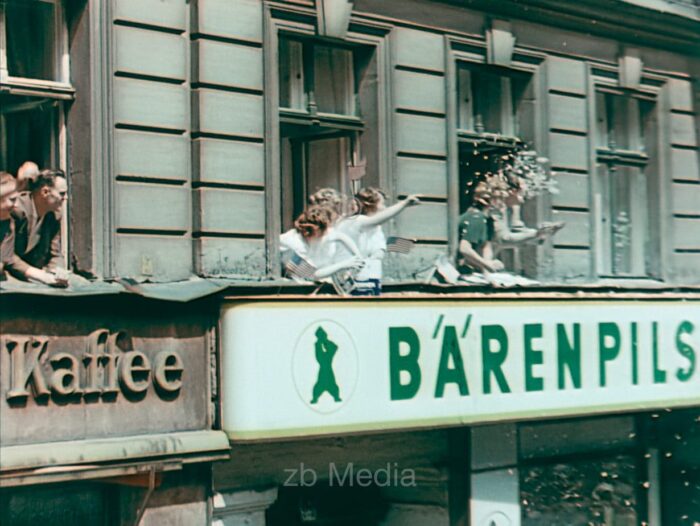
{"x": 314, "y": 368}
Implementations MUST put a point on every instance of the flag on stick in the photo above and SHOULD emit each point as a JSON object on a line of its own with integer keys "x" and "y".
{"x": 298, "y": 267}
{"x": 400, "y": 245}
{"x": 357, "y": 170}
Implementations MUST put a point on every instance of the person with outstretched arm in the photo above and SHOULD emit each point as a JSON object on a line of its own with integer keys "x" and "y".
{"x": 365, "y": 229}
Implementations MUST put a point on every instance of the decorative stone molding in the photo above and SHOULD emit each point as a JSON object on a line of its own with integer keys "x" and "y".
{"x": 333, "y": 17}
{"x": 500, "y": 43}
{"x": 241, "y": 508}
{"x": 631, "y": 66}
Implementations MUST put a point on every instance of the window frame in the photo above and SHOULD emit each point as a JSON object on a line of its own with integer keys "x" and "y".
{"x": 60, "y": 90}
{"x": 465, "y": 111}
{"x": 464, "y": 52}
{"x": 312, "y": 113}
{"x": 299, "y": 21}
{"x": 314, "y": 125}
{"x": 650, "y": 170}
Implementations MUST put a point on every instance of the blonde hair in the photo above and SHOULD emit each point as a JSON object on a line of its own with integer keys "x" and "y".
{"x": 7, "y": 181}
{"x": 329, "y": 197}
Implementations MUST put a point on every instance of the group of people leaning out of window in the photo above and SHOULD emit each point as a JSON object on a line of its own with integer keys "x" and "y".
{"x": 340, "y": 239}
{"x": 30, "y": 225}
{"x": 491, "y": 224}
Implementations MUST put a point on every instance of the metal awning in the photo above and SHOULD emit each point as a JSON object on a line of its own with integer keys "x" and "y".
{"x": 105, "y": 457}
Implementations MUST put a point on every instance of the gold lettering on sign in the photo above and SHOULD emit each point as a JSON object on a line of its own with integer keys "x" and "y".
{"x": 135, "y": 371}
{"x": 65, "y": 380}
{"x": 26, "y": 351}
{"x": 167, "y": 371}
{"x": 109, "y": 365}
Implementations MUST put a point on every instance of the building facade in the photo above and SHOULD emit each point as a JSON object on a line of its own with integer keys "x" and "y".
{"x": 193, "y": 133}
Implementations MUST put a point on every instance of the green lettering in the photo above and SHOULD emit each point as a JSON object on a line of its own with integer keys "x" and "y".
{"x": 532, "y": 357}
{"x": 407, "y": 362}
{"x": 686, "y": 351}
{"x": 492, "y": 361}
{"x": 635, "y": 349}
{"x": 607, "y": 353}
{"x": 446, "y": 374}
{"x": 569, "y": 356}
{"x": 659, "y": 373}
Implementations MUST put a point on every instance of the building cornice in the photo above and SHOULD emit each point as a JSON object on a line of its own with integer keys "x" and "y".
{"x": 641, "y": 22}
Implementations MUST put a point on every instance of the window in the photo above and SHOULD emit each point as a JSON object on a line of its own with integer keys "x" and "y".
{"x": 496, "y": 116}
{"x": 31, "y": 39}
{"x": 582, "y": 471}
{"x": 328, "y": 118}
{"x": 33, "y": 82}
{"x": 316, "y": 78}
{"x": 28, "y": 127}
{"x": 582, "y": 491}
{"x": 625, "y": 124}
{"x": 492, "y": 100}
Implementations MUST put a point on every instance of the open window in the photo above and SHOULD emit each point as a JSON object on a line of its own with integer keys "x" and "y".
{"x": 494, "y": 101}
{"x": 30, "y": 132}
{"x": 496, "y": 116}
{"x": 328, "y": 118}
{"x": 33, "y": 82}
{"x": 626, "y": 127}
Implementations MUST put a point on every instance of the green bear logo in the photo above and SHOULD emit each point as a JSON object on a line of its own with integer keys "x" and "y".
{"x": 325, "y": 352}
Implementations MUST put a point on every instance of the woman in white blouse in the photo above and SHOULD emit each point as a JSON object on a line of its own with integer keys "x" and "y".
{"x": 365, "y": 229}
{"x": 316, "y": 242}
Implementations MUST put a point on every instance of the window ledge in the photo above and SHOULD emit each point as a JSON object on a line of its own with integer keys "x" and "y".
{"x": 489, "y": 139}
{"x": 31, "y": 87}
{"x": 292, "y": 116}
{"x": 196, "y": 288}
{"x": 625, "y": 156}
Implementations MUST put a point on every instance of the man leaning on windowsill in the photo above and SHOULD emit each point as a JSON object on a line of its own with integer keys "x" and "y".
{"x": 37, "y": 221}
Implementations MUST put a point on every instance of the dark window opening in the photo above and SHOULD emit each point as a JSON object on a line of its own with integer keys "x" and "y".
{"x": 32, "y": 39}
{"x": 328, "y": 119}
{"x": 28, "y": 132}
{"x": 496, "y": 101}
{"x": 592, "y": 491}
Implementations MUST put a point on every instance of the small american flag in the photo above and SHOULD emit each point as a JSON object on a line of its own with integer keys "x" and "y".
{"x": 298, "y": 267}
{"x": 401, "y": 245}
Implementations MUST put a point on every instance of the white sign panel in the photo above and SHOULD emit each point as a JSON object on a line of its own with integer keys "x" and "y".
{"x": 314, "y": 368}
